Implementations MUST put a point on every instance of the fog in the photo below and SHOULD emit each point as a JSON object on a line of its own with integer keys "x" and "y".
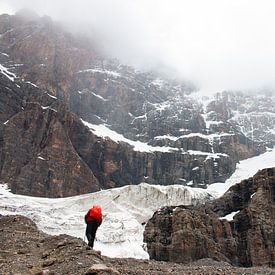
{"x": 218, "y": 44}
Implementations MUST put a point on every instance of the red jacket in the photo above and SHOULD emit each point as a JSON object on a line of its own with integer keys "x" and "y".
{"x": 95, "y": 213}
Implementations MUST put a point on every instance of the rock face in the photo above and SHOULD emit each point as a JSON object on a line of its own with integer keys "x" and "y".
{"x": 36, "y": 153}
{"x": 46, "y": 150}
{"x": 250, "y": 113}
{"x": 185, "y": 234}
{"x": 51, "y": 78}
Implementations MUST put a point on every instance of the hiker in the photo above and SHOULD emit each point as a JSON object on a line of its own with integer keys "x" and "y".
{"x": 93, "y": 219}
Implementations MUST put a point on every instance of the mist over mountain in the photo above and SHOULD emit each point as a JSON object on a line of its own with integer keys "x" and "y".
{"x": 110, "y": 99}
{"x": 215, "y": 44}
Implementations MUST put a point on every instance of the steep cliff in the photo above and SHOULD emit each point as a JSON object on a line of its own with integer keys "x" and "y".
{"x": 47, "y": 151}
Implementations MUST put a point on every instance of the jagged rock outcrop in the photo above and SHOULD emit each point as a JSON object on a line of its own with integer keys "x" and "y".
{"x": 185, "y": 234}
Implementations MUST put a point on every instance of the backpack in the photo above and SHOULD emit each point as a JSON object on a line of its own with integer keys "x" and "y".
{"x": 95, "y": 213}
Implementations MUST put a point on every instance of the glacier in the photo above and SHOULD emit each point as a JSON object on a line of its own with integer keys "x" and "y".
{"x": 125, "y": 209}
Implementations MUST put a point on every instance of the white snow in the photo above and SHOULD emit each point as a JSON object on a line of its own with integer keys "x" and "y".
{"x": 125, "y": 210}
{"x": 99, "y": 96}
{"x": 245, "y": 169}
{"x": 28, "y": 82}
{"x": 252, "y": 121}
{"x": 110, "y": 73}
{"x": 204, "y": 97}
{"x": 252, "y": 195}
{"x": 94, "y": 94}
{"x": 209, "y": 155}
{"x": 162, "y": 106}
{"x": 209, "y": 137}
{"x": 159, "y": 82}
{"x": 184, "y": 130}
{"x": 9, "y": 75}
{"x": 173, "y": 138}
{"x": 230, "y": 216}
{"x": 103, "y": 131}
{"x": 51, "y": 96}
{"x": 18, "y": 65}
{"x": 139, "y": 117}
{"x": 48, "y": 107}
{"x": 39, "y": 157}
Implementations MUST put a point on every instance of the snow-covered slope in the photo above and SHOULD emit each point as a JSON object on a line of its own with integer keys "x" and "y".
{"x": 245, "y": 169}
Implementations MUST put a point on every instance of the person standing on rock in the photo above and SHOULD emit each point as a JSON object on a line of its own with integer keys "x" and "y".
{"x": 93, "y": 219}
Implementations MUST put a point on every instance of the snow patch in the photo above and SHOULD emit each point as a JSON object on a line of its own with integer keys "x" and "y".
{"x": 5, "y": 72}
{"x": 162, "y": 106}
{"x": 28, "y": 82}
{"x": 103, "y": 131}
{"x": 51, "y": 96}
{"x": 159, "y": 82}
{"x": 110, "y": 73}
{"x": 39, "y": 157}
{"x": 245, "y": 169}
{"x": 173, "y": 138}
{"x": 48, "y": 108}
{"x": 209, "y": 155}
{"x": 230, "y": 216}
{"x": 203, "y": 136}
{"x": 99, "y": 96}
{"x": 252, "y": 195}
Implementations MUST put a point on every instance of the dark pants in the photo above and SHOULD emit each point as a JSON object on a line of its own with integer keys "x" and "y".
{"x": 91, "y": 231}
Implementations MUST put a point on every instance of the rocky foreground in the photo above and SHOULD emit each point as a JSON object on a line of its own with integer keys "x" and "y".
{"x": 26, "y": 250}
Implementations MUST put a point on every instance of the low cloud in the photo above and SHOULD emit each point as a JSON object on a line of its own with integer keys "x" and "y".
{"x": 217, "y": 44}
